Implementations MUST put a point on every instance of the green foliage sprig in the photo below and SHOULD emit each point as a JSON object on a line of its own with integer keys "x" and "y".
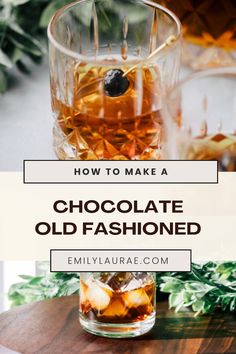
{"x": 38, "y": 288}
{"x": 22, "y": 30}
{"x": 208, "y": 287}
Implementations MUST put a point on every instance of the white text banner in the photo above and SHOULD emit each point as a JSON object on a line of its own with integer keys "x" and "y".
{"x": 120, "y": 260}
{"x": 126, "y": 172}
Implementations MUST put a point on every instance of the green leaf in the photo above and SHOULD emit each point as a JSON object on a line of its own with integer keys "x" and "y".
{"x": 198, "y": 306}
{"x": 198, "y": 288}
{"x": 25, "y": 42}
{"x": 17, "y": 300}
{"x": 208, "y": 307}
{"x": 171, "y": 284}
{"x": 50, "y": 10}
{"x": 5, "y": 60}
{"x": 225, "y": 301}
{"x": 233, "y": 304}
{"x": 73, "y": 287}
{"x": 19, "y": 33}
{"x": 16, "y": 55}
{"x": 226, "y": 268}
{"x": 26, "y": 277}
{"x": 15, "y": 2}
{"x": 176, "y": 299}
{"x": 35, "y": 280}
{"x": 188, "y": 298}
{"x": 3, "y": 81}
{"x": 52, "y": 292}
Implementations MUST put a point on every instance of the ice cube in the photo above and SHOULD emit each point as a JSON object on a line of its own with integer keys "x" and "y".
{"x": 143, "y": 277}
{"x": 115, "y": 309}
{"x": 98, "y": 295}
{"x": 119, "y": 280}
{"x": 83, "y": 290}
{"x": 85, "y": 305}
{"x": 131, "y": 285}
{"x": 136, "y": 298}
{"x": 104, "y": 286}
{"x": 105, "y": 276}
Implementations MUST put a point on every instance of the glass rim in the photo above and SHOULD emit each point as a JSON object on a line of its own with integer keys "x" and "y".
{"x": 203, "y": 74}
{"x": 81, "y": 57}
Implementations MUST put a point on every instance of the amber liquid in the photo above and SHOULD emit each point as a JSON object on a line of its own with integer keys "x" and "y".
{"x": 94, "y": 126}
{"x": 207, "y": 22}
{"x": 101, "y": 303}
{"x": 221, "y": 147}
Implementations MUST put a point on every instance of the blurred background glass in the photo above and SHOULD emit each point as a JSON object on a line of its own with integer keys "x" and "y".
{"x": 201, "y": 112}
{"x": 209, "y": 28}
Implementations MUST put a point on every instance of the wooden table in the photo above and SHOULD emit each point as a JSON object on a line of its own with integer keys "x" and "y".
{"x": 52, "y": 327}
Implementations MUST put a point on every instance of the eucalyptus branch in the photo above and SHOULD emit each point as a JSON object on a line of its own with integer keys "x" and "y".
{"x": 205, "y": 289}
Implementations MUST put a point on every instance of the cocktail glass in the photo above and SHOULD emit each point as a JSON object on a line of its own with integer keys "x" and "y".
{"x": 119, "y": 304}
{"x": 209, "y": 31}
{"x": 102, "y": 113}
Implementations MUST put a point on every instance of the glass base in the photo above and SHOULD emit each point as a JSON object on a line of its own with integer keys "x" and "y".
{"x": 63, "y": 149}
{"x": 82, "y": 152}
{"x": 117, "y": 330}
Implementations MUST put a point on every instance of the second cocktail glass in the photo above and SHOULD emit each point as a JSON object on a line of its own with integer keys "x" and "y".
{"x": 100, "y": 112}
{"x": 201, "y": 112}
{"x": 117, "y": 304}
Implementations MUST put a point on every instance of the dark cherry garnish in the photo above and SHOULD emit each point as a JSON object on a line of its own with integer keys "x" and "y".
{"x": 115, "y": 83}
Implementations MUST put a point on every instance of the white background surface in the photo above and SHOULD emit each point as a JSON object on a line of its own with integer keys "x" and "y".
{"x": 26, "y": 119}
{"x": 9, "y": 272}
